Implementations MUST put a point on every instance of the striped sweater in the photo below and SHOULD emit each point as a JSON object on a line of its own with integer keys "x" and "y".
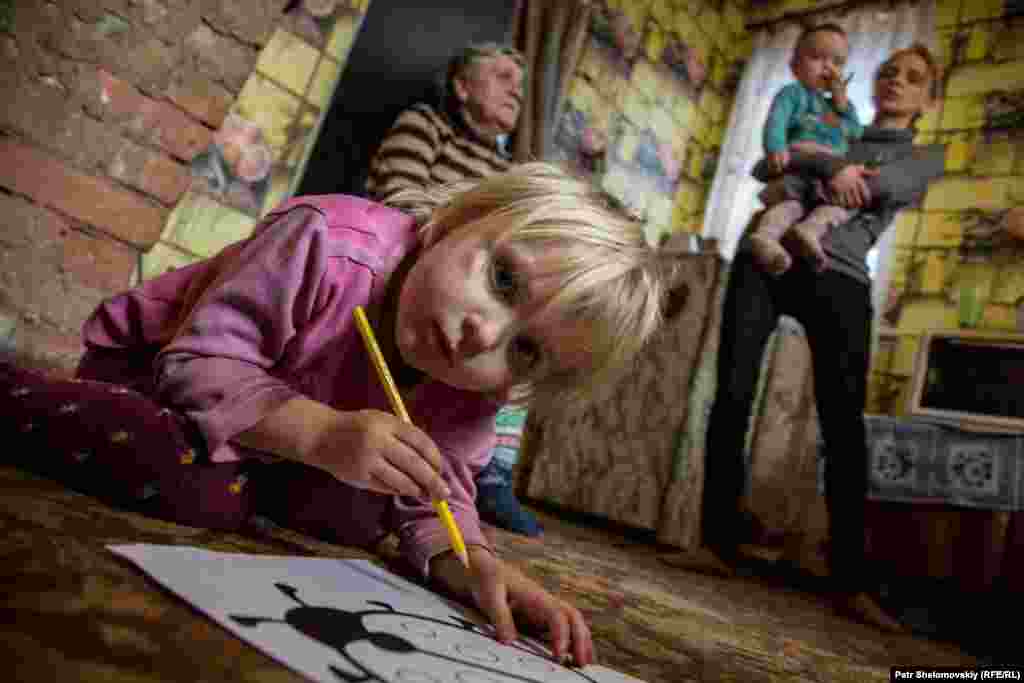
{"x": 425, "y": 148}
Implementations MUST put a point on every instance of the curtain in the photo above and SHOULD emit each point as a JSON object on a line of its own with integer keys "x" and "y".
{"x": 874, "y": 32}
{"x": 551, "y": 34}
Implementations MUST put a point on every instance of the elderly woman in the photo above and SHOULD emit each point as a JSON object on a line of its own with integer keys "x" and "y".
{"x": 483, "y": 94}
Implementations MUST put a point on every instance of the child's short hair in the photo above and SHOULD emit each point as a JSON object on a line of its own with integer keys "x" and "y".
{"x": 806, "y": 35}
{"x": 609, "y": 275}
{"x": 934, "y": 68}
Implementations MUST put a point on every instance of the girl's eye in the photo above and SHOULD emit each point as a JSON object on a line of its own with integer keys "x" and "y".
{"x": 523, "y": 355}
{"x": 504, "y": 280}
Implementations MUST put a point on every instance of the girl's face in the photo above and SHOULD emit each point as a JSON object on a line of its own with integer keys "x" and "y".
{"x": 903, "y": 86}
{"x": 820, "y": 59}
{"x": 470, "y": 314}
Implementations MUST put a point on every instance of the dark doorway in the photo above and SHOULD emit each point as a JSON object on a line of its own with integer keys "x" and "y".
{"x": 402, "y": 47}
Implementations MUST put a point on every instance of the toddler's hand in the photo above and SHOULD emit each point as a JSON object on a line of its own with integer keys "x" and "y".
{"x": 778, "y": 161}
{"x": 837, "y": 86}
{"x": 373, "y": 450}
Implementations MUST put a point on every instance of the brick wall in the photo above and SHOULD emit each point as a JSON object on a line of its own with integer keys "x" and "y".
{"x": 138, "y": 135}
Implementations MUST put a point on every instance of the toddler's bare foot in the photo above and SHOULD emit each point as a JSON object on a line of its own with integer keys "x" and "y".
{"x": 807, "y": 239}
{"x": 771, "y": 255}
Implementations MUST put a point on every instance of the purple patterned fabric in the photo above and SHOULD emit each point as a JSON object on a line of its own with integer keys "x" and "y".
{"x": 109, "y": 441}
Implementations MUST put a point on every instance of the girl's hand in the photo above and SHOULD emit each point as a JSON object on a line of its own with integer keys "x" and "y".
{"x": 373, "y": 450}
{"x": 849, "y": 187}
{"x": 501, "y": 591}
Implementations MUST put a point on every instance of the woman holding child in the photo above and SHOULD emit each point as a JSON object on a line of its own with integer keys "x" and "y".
{"x": 834, "y": 307}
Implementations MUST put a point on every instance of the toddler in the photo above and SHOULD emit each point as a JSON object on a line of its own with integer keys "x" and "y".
{"x": 238, "y": 389}
{"x": 803, "y": 120}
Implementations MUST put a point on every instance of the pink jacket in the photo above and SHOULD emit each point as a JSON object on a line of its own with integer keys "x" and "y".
{"x": 233, "y": 337}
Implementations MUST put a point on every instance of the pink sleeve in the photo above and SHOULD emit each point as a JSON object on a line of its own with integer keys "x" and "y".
{"x": 216, "y": 367}
{"x": 466, "y": 443}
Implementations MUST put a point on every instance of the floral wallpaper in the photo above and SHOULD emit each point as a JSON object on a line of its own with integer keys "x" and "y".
{"x": 958, "y": 259}
{"x": 645, "y": 114}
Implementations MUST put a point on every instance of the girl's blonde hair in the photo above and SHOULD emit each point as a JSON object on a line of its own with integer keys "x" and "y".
{"x": 608, "y": 275}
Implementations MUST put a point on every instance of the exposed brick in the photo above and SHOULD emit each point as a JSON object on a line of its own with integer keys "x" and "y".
{"x": 201, "y": 97}
{"x": 170, "y": 21}
{"x": 251, "y": 21}
{"x": 39, "y": 346}
{"x": 94, "y": 201}
{"x": 33, "y": 277}
{"x": 86, "y": 10}
{"x": 156, "y": 121}
{"x": 88, "y": 143}
{"x": 39, "y": 110}
{"x": 78, "y": 40}
{"x": 28, "y": 55}
{"x": 23, "y": 224}
{"x": 98, "y": 262}
{"x": 154, "y": 173}
{"x": 37, "y": 25}
{"x": 146, "y": 62}
{"x": 221, "y": 59}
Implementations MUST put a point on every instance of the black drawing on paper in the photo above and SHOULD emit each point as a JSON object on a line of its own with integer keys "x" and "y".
{"x": 338, "y": 629}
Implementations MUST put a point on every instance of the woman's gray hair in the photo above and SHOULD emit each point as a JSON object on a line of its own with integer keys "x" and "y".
{"x": 466, "y": 60}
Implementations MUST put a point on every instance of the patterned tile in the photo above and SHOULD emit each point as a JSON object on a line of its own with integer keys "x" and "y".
{"x": 963, "y": 112}
{"x": 976, "y": 10}
{"x": 940, "y": 229}
{"x": 999, "y": 317}
{"x": 1008, "y": 41}
{"x": 288, "y": 60}
{"x": 162, "y": 258}
{"x": 982, "y": 78}
{"x": 937, "y": 269}
{"x": 954, "y": 193}
{"x": 924, "y": 314}
{"x": 1009, "y": 284}
{"x": 202, "y": 226}
{"x": 324, "y": 81}
{"x": 904, "y": 227}
{"x": 994, "y": 154}
{"x": 269, "y": 106}
{"x": 343, "y": 35}
{"x": 947, "y": 12}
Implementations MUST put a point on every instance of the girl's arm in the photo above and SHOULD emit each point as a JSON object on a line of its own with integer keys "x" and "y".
{"x": 462, "y": 426}
{"x": 215, "y": 369}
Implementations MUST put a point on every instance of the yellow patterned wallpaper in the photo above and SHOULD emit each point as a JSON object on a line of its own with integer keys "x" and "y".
{"x": 647, "y": 109}
{"x": 959, "y": 259}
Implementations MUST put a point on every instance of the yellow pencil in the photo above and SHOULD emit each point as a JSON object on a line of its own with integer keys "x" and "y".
{"x": 391, "y": 389}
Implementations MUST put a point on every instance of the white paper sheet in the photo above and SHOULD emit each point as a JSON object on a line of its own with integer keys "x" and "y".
{"x": 348, "y": 620}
